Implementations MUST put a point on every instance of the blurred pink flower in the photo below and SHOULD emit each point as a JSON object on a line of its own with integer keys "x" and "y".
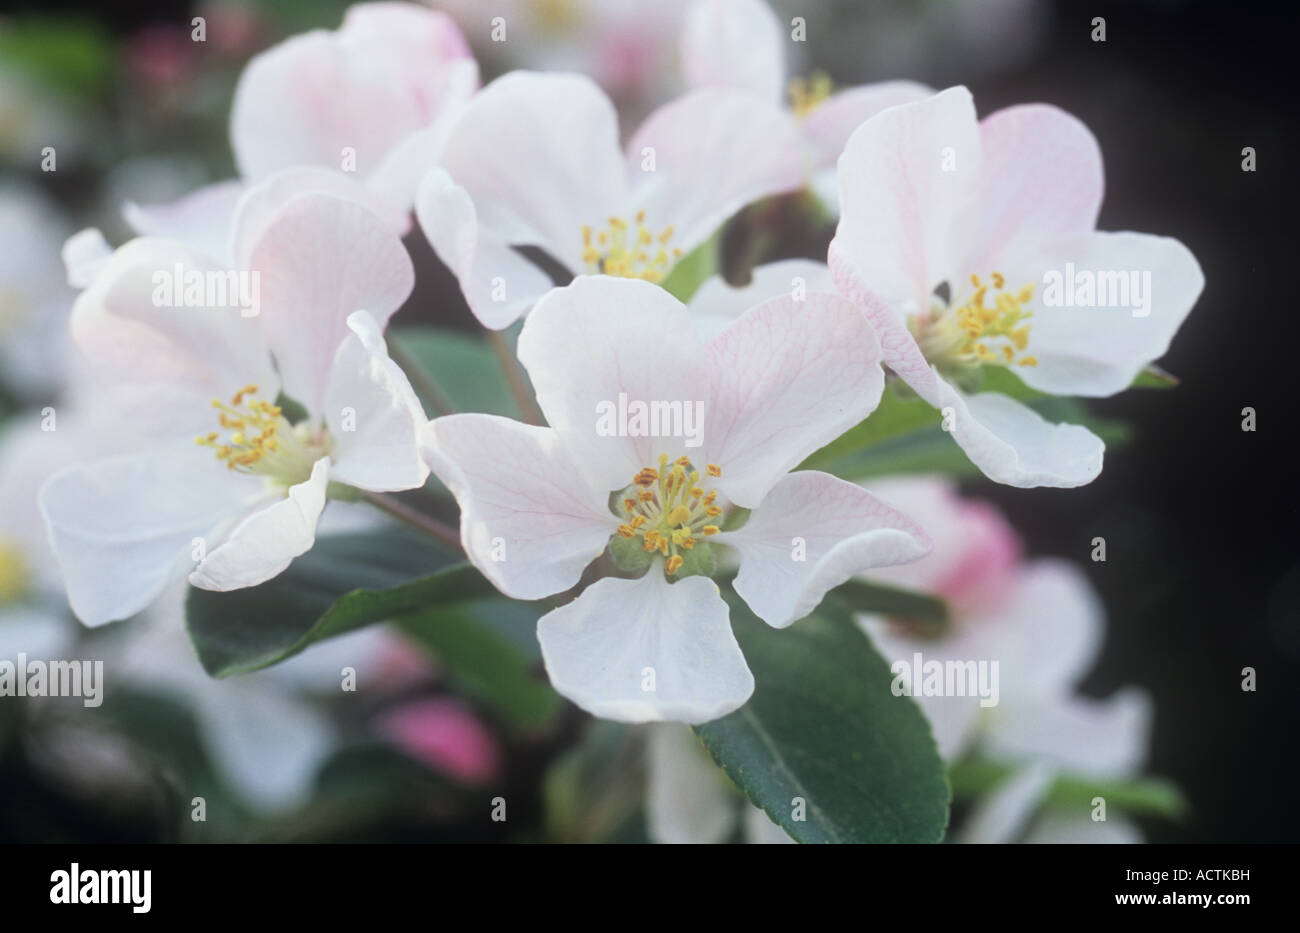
{"x": 446, "y": 736}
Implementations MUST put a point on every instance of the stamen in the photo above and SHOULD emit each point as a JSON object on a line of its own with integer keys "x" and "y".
{"x": 622, "y": 250}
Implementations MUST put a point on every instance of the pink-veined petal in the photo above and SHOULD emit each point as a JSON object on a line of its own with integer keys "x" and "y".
{"x": 529, "y": 521}
{"x": 738, "y": 44}
{"x": 812, "y": 532}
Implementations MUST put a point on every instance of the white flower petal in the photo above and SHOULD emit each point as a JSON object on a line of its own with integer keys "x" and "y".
{"x": 1005, "y": 813}
{"x": 714, "y": 151}
{"x": 143, "y": 351}
{"x": 538, "y": 155}
{"x": 122, "y": 528}
{"x": 319, "y": 259}
{"x": 832, "y": 122}
{"x": 1070, "y": 829}
{"x": 787, "y": 378}
{"x": 1012, "y": 444}
{"x": 1107, "y": 738}
{"x": 735, "y": 43}
{"x": 606, "y": 649}
{"x": 716, "y": 303}
{"x": 812, "y": 532}
{"x": 266, "y": 542}
{"x": 637, "y": 340}
{"x": 373, "y": 414}
{"x": 201, "y": 220}
{"x": 689, "y": 801}
{"x": 84, "y": 255}
{"x": 498, "y": 283}
{"x": 529, "y": 521}
{"x": 908, "y": 196}
{"x": 1099, "y": 350}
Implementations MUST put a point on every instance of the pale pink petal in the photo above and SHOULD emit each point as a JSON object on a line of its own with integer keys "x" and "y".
{"x": 498, "y": 283}
{"x": 201, "y": 220}
{"x": 716, "y": 303}
{"x": 697, "y": 160}
{"x": 373, "y": 414}
{"x": 909, "y": 183}
{"x": 144, "y": 350}
{"x": 389, "y": 71}
{"x": 84, "y": 255}
{"x": 812, "y": 532}
{"x": 261, "y": 203}
{"x": 787, "y": 378}
{"x": 638, "y": 343}
{"x": 646, "y": 650}
{"x": 538, "y": 156}
{"x": 123, "y": 528}
{"x": 319, "y": 259}
{"x": 529, "y": 521}
{"x": 1045, "y": 632}
{"x": 266, "y": 542}
{"x": 738, "y": 44}
{"x": 1040, "y": 176}
{"x": 1005, "y": 813}
{"x": 832, "y": 122}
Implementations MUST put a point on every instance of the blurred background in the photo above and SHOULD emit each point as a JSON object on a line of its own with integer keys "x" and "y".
{"x": 1202, "y": 576}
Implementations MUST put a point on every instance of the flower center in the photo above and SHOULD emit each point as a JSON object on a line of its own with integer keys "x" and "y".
{"x": 628, "y": 250}
{"x": 13, "y": 573}
{"x": 260, "y": 440}
{"x": 807, "y": 94}
{"x": 977, "y": 333}
{"x": 669, "y": 511}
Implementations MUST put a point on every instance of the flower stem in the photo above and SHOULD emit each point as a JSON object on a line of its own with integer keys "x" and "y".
{"x": 431, "y": 526}
{"x": 515, "y": 377}
{"x": 424, "y": 385}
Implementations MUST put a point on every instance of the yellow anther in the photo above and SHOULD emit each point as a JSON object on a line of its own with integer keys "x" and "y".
{"x": 713, "y": 511}
{"x": 1028, "y": 361}
{"x": 807, "y": 94}
{"x": 680, "y": 515}
{"x": 674, "y": 564}
{"x": 622, "y": 249}
{"x": 713, "y": 469}
{"x": 710, "y": 530}
{"x": 626, "y": 531}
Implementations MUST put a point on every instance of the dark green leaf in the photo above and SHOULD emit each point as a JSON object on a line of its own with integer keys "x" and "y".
{"x": 462, "y": 365}
{"x": 342, "y": 584}
{"x": 823, "y": 725}
{"x": 1144, "y": 796}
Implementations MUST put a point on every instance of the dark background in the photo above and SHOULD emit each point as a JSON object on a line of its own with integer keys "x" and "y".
{"x": 1203, "y": 570}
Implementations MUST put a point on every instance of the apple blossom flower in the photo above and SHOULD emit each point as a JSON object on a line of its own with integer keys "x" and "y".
{"x": 740, "y": 44}
{"x": 534, "y": 160}
{"x": 445, "y": 734}
{"x": 967, "y": 228}
{"x": 539, "y": 504}
{"x": 1042, "y": 623}
{"x": 716, "y": 303}
{"x": 245, "y": 500}
{"x": 369, "y": 103}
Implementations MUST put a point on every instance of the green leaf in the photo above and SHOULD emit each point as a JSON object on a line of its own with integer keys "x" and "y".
{"x": 342, "y": 584}
{"x": 463, "y": 365}
{"x": 1143, "y": 796}
{"x": 824, "y": 725}
{"x": 691, "y": 271}
{"x": 910, "y": 605}
{"x": 488, "y": 662}
{"x": 1153, "y": 377}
